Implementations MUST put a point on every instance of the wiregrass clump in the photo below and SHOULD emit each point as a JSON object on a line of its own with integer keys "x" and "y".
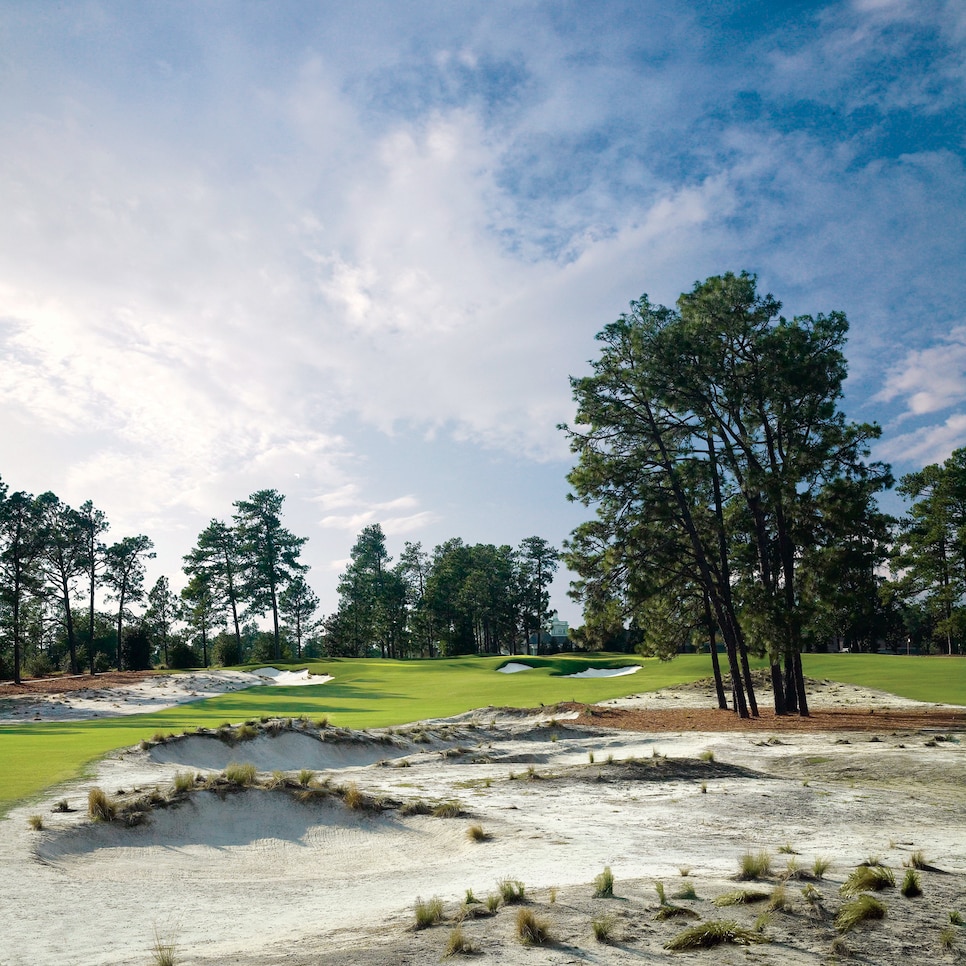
{"x": 868, "y": 878}
{"x": 476, "y": 833}
{"x": 531, "y": 930}
{"x": 512, "y": 891}
{"x": 863, "y": 908}
{"x": 184, "y": 781}
{"x": 754, "y": 865}
{"x": 707, "y": 935}
{"x": 162, "y": 951}
{"x": 241, "y": 773}
{"x": 428, "y": 912}
{"x": 457, "y": 943}
{"x": 740, "y": 897}
{"x": 604, "y": 884}
{"x": 99, "y": 807}
{"x": 603, "y": 927}
{"x": 911, "y": 886}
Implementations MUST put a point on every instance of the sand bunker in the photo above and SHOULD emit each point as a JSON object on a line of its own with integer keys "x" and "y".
{"x": 256, "y": 877}
{"x": 289, "y": 679}
{"x": 514, "y": 667}
{"x": 606, "y": 672}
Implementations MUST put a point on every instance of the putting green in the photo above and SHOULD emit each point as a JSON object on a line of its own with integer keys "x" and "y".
{"x": 376, "y": 693}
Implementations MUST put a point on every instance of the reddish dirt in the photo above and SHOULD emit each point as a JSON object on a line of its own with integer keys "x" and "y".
{"x": 61, "y": 685}
{"x": 711, "y": 719}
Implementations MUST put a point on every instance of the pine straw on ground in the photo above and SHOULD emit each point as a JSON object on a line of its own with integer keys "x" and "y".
{"x": 74, "y": 682}
{"x": 713, "y": 719}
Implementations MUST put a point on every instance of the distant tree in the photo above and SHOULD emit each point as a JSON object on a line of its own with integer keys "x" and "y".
{"x": 298, "y": 602}
{"x": 217, "y": 558}
{"x": 162, "y": 613}
{"x": 93, "y": 524}
{"x": 269, "y": 554}
{"x": 538, "y": 564}
{"x": 368, "y": 595}
{"x": 62, "y": 540}
{"x": 20, "y": 550}
{"x": 124, "y": 575}
{"x": 930, "y": 559}
{"x": 201, "y": 610}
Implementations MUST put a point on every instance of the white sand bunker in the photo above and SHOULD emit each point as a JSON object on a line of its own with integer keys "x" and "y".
{"x": 289, "y": 679}
{"x": 605, "y": 672}
{"x": 513, "y": 667}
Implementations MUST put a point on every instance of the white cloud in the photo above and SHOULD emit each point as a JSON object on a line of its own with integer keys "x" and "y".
{"x": 931, "y": 444}
{"x": 930, "y": 379}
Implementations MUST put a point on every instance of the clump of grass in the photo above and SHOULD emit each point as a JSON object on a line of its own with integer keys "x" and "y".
{"x": 450, "y": 809}
{"x": 245, "y": 732}
{"x": 820, "y": 866}
{"x": 590, "y": 757}
{"x": 476, "y": 833}
{"x": 417, "y": 807}
{"x": 868, "y": 878}
{"x": 240, "y": 773}
{"x": 62, "y": 806}
{"x": 470, "y": 899}
{"x": 162, "y": 951}
{"x": 754, "y": 865}
{"x": 670, "y": 911}
{"x": 492, "y": 902}
{"x": 603, "y": 927}
{"x": 532, "y": 773}
{"x": 704, "y": 788}
{"x": 457, "y": 943}
{"x": 322, "y": 722}
{"x": 956, "y": 918}
{"x": 863, "y": 908}
{"x": 184, "y": 781}
{"x": 911, "y": 887}
{"x": 552, "y": 894}
{"x": 778, "y": 901}
{"x": 740, "y": 897}
{"x": 685, "y": 892}
{"x": 305, "y": 777}
{"x": 707, "y": 755}
{"x": 36, "y": 822}
{"x": 100, "y": 807}
{"x": 428, "y": 912}
{"x": 713, "y": 933}
{"x": 531, "y": 930}
{"x": 604, "y": 884}
{"x": 685, "y": 870}
{"x": 357, "y": 800}
{"x": 947, "y": 938}
{"x": 661, "y": 895}
{"x": 512, "y": 891}
{"x": 787, "y": 849}
{"x": 917, "y": 860}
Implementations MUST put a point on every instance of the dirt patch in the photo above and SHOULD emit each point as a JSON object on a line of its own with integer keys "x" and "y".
{"x": 78, "y": 682}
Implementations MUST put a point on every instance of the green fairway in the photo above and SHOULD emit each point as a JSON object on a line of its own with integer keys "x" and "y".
{"x": 375, "y": 693}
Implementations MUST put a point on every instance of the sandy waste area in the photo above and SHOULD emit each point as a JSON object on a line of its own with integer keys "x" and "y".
{"x": 323, "y": 860}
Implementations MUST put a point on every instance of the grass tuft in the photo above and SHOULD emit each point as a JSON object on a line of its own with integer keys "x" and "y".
{"x": 306, "y": 775}
{"x": 917, "y": 860}
{"x": 861, "y": 909}
{"x": 162, "y": 951}
{"x": 428, "y": 912}
{"x": 685, "y": 892}
{"x": 241, "y": 773}
{"x": 911, "y": 887}
{"x": 754, "y": 865}
{"x": 707, "y": 755}
{"x": 820, "y": 866}
{"x": 531, "y": 930}
{"x": 476, "y": 833}
{"x": 947, "y": 938}
{"x": 492, "y": 902}
{"x": 512, "y": 891}
{"x": 36, "y": 822}
{"x": 868, "y": 878}
{"x": 778, "y": 901}
{"x": 707, "y": 935}
{"x": 184, "y": 781}
{"x": 740, "y": 897}
{"x": 457, "y": 944}
{"x": 603, "y": 927}
{"x": 450, "y": 809}
{"x": 604, "y": 884}
{"x": 100, "y": 807}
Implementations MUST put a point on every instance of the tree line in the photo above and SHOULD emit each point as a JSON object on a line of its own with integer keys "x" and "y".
{"x": 245, "y": 594}
{"x": 735, "y": 501}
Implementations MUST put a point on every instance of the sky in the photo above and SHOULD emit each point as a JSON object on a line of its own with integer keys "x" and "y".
{"x": 352, "y": 251}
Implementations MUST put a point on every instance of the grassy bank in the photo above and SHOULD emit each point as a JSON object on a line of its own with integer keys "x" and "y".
{"x": 376, "y": 693}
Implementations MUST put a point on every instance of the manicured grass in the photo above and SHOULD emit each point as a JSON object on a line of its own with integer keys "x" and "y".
{"x": 939, "y": 679}
{"x": 374, "y": 693}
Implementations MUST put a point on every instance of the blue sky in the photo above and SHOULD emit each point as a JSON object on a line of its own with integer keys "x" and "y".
{"x": 352, "y": 251}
